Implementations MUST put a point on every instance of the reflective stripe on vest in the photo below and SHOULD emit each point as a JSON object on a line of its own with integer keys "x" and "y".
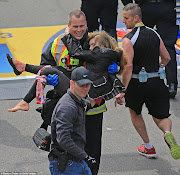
{"x": 58, "y": 51}
{"x": 97, "y": 110}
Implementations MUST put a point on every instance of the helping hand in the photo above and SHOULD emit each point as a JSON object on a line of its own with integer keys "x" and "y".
{"x": 52, "y": 79}
{"x": 72, "y": 46}
{"x": 119, "y": 99}
{"x": 112, "y": 68}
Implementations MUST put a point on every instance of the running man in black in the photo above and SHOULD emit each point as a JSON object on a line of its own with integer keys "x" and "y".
{"x": 162, "y": 14}
{"x": 144, "y": 48}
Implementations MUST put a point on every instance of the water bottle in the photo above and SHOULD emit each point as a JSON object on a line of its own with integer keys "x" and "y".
{"x": 143, "y": 75}
{"x": 162, "y": 72}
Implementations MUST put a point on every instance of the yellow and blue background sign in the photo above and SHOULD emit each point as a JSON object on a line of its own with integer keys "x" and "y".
{"x": 26, "y": 45}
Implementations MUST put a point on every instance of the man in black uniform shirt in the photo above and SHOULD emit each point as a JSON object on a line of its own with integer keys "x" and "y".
{"x": 162, "y": 13}
{"x": 102, "y": 12}
{"x": 143, "y": 46}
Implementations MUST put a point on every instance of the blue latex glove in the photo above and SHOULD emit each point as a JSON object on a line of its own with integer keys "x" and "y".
{"x": 52, "y": 79}
{"x": 112, "y": 68}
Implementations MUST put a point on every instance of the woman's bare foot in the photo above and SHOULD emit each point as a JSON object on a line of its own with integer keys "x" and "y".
{"x": 22, "y": 105}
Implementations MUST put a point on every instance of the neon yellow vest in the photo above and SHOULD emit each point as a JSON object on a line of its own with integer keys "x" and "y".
{"x": 58, "y": 51}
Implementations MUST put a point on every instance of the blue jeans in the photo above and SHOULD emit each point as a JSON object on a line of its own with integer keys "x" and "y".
{"x": 73, "y": 168}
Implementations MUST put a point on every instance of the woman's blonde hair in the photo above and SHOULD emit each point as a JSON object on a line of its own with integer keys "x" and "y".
{"x": 107, "y": 41}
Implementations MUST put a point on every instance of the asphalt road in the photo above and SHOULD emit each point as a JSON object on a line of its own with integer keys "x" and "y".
{"x": 21, "y": 13}
{"x": 19, "y": 155}
{"x": 119, "y": 143}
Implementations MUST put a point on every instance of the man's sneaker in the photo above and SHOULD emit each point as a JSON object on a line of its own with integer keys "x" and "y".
{"x": 150, "y": 153}
{"x": 174, "y": 147}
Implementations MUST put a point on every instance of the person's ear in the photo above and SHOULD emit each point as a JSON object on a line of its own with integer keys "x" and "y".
{"x": 136, "y": 18}
{"x": 71, "y": 82}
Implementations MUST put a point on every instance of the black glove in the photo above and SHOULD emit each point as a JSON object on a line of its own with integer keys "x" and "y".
{"x": 90, "y": 161}
{"x": 72, "y": 46}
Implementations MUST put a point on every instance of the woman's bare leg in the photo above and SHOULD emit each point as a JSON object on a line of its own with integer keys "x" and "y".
{"x": 61, "y": 88}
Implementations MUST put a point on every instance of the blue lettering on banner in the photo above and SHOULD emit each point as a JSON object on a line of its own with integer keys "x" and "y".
{"x": 6, "y": 35}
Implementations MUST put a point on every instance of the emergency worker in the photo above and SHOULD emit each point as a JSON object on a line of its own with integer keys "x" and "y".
{"x": 101, "y": 12}
{"x": 53, "y": 55}
{"x": 143, "y": 46}
{"x": 57, "y": 54}
{"x": 162, "y": 14}
{"x": 68, "y": 135}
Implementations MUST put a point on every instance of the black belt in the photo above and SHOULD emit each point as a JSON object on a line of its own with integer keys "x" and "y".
{"x": 54, "y": 154}
{"x": 153, "y": 1}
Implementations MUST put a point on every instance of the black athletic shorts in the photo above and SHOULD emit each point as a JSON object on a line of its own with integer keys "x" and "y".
{"x": 154, "y": 93}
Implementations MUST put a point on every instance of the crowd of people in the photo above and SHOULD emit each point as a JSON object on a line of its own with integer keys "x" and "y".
{"x": 83, "y": 69}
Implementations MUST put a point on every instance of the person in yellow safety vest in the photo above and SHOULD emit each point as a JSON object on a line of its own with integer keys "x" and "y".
{"x": 57, "y": 54}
